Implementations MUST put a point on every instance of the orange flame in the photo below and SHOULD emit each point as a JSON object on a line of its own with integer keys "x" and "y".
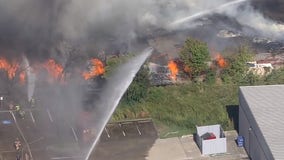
{"x": 55, "y": 70}
{"x": 9, "y": 68}
{"x": 173, "y": 69}
{"x": 221, "y": 62}
{"x": 22, "y": 77}
{"x": 97, "y": 69}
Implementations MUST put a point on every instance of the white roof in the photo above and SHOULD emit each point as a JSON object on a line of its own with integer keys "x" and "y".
{"x": 266, "y": 104}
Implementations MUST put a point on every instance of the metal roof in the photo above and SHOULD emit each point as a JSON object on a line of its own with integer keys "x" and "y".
{"x": 266, "y": 104}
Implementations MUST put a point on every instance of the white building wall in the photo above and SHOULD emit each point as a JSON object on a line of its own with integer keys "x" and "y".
{"x": 214, "y": 146}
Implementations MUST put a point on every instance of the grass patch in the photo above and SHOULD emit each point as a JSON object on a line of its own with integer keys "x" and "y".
{"x": 177, "y": 109}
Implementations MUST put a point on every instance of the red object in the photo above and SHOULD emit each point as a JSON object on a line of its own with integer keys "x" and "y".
{"x": 208, "y": 136}
{"x": 212, "y": 136}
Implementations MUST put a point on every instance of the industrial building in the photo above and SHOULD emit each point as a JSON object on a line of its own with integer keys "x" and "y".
{"x": 261, "y": 121}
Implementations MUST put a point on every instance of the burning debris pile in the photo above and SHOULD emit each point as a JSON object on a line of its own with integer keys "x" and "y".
{"x": 159, "y": 75}
{"x": 171, "y": 73}
{"x": 221, "y": 62}
{"x": 172, "y": 66}
{"x": 55, "y": 71}
{"x": 12, "y": 70}
{"x": 96, "y": 68}
{"x": 176, "y": 72}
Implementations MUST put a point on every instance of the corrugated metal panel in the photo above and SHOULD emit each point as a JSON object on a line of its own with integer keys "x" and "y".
{"x": 266, "y": 108}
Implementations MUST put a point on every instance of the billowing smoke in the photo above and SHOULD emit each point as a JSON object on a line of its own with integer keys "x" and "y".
{"x": 70, "y": 30}
{"x": 254, "y": 22}
{"x": 248, "y": 16}
{"x": 35, "y": 26}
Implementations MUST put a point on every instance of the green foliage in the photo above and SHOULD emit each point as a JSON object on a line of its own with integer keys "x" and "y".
{"x": 237, "y": 69}
{"x": 250, "y": 79}
{"x": 194, "y": 55}
{"x": 138, "y": 88}
{"x": 177, "y": 109}
{"x": 184, "y": 106}
{"x": 276, "y": 77}
{"x": 137, "y": 91}
{"x": 210, "y": 77}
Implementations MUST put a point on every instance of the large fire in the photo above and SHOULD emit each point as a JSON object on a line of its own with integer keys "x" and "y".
{"x": 97, "y": 69}
{"x": 221, "y": 62}
{"x": 11, "y": 69}
{"x": 173, "y": 67}
{"x": 54, "y": 70}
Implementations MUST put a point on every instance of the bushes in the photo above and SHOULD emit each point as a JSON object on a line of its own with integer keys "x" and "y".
{"x": 182, "y": 107}
{"x": 194, "y": 55}
{"x": 185, "y": 106}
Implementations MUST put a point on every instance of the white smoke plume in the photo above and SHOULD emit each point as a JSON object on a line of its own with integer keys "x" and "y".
{"x": 247, "y": 16}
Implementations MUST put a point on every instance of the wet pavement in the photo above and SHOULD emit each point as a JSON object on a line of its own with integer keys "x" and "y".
{"x": 45, "y": 137}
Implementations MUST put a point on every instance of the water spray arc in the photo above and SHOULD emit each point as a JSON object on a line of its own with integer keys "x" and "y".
{"x": 193, "y": 17}
{"x": 114, "y": 91}
{"x": 31, "y": 78}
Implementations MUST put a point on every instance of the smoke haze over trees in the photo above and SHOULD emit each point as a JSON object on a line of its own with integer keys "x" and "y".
{"x": 34, "y": 26}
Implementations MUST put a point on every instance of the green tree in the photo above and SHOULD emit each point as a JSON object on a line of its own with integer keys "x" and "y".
{"x": 138, "y": 89}
{"x": 194, "y": 55}
{"x": 238, "y": 68}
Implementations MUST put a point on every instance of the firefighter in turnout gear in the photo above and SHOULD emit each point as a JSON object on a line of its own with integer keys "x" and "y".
{"x": 18, "y": 148}
{"x": 32, "y": 103}
{"x": 20, "y": 112}
{"x": 18, "y": 108}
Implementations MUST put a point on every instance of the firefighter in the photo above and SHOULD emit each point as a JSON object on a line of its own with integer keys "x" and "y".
{"x": 11, "y": 106}
{"x": 20, "y": 112}
{"x": 32, "y": 102}
{"x": 17, "y": 144}
{"x": 18, "y": 148}
{"x": 18, "y": 108}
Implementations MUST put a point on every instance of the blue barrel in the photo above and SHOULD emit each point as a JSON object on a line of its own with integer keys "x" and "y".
{"x": 240, "y": 141}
